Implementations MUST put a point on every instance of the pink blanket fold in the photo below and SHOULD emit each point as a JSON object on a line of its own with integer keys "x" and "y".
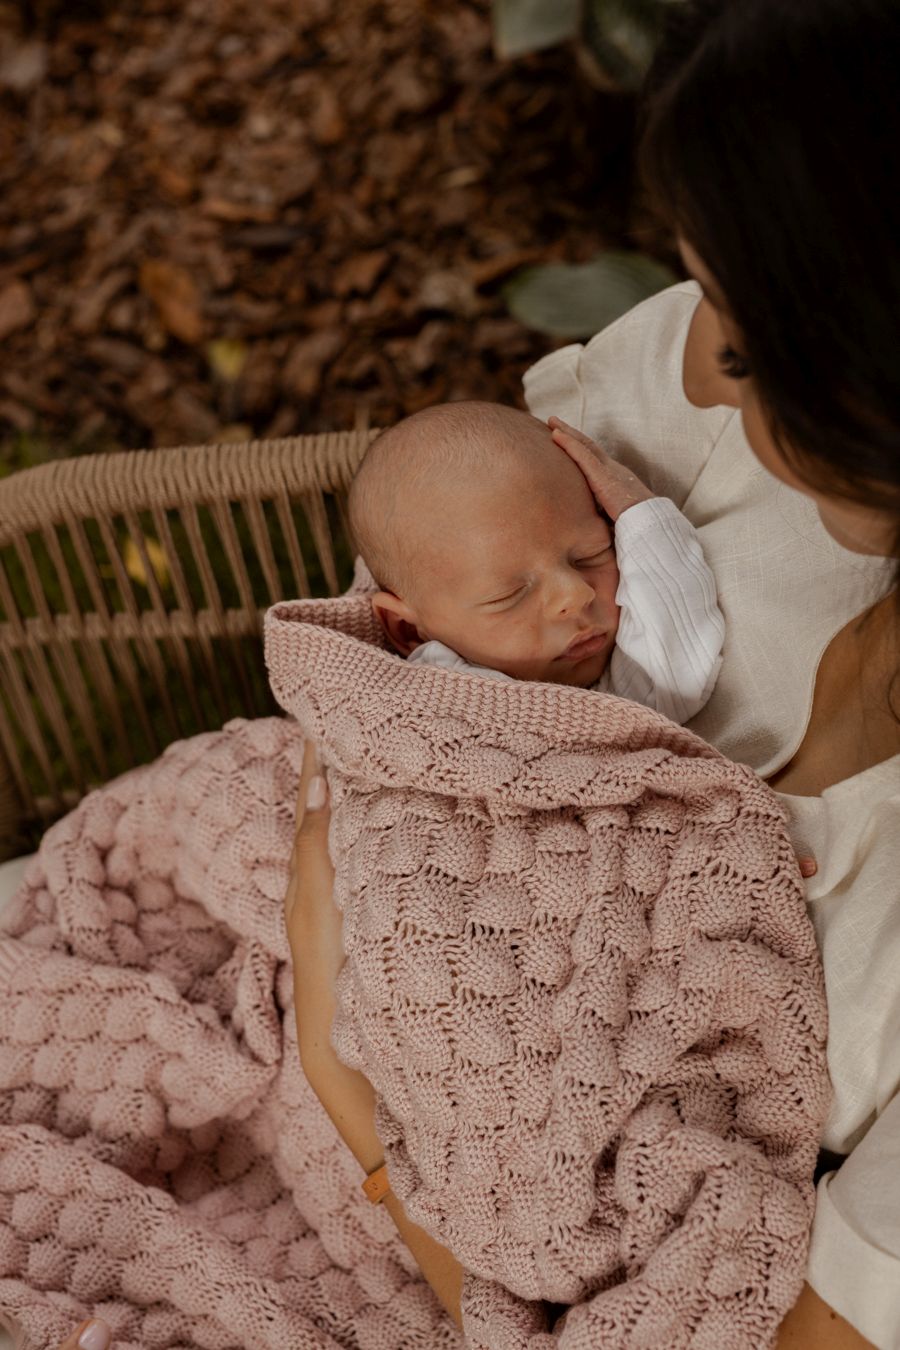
{"x": 163, "y": 1162}
{"x": 581, "y": 978}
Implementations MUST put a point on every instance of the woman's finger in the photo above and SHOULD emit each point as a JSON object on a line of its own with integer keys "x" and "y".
{"x": 312, "y": 920}
{"x": 311, "y": 770}
{"x": 614, "y": 489}
{"x": 93, "y": 1335}
{"x": 312, "y": 802}
{"x": 310, "y": 851}
{"x": 311, "y": 869}
{"x": 557, "y": 424}
{"x": 587, "y": 454}
{"x": 586, "y": 457}
{"x": 808, "y": 867}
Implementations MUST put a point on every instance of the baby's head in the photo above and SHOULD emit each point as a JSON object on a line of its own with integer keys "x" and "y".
{"x": 484, "y": 535}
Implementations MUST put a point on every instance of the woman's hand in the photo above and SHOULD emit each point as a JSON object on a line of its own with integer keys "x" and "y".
{"x": 615, "y": 488}
{"x": 312, "y": 920}
{"x": 313, "y": 924}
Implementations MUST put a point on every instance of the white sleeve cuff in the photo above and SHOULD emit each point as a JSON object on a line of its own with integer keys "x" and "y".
{"x": 859, "y": 1280}
{"x": 671, "y": 631}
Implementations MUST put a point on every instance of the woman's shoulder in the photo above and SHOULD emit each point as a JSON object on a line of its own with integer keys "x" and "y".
{"x": 625, "y": 388}
{"x": 651, "y": 328}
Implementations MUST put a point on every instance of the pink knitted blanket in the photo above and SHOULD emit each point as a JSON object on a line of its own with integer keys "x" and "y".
{"x": 163, "y": 1161}
{"x": 579, "y": 972}
{"x": 581, "y": 978}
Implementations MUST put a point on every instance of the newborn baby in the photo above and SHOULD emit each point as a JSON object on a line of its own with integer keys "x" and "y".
{"x": 492, "y": 557}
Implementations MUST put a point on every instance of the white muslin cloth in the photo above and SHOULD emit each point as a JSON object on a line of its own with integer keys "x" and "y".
{"x": 668, "y": 650}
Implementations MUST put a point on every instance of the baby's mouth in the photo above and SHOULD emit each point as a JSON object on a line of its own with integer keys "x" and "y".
{"x": 584, "y": 645}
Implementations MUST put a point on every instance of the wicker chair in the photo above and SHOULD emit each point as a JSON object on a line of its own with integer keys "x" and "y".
{"x": 132, "y": 590}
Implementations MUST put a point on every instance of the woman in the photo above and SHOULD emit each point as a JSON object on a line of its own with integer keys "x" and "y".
{"x": 768, "y": 130}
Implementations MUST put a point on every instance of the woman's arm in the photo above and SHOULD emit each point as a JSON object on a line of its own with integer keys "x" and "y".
{"x": 350, "y": 1102}
{"x": 314, "y": 932}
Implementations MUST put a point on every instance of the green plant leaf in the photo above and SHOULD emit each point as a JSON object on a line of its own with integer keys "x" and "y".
{"x": 621, "y": 37}
{"x": 578, "y": 299}
{"x": 522, "y": 26}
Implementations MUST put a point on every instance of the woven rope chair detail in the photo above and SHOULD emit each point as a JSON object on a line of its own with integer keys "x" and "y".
{"x": 132, "y": 590}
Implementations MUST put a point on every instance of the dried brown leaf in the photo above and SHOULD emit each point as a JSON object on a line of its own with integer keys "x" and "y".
{"x": 16, "y": 415}
{"x": 449, "y": 291}
{"x": 90, "y": 305}
{"x": 327, "y": 123}
{"x": 114, "y": 354}
{"x": 359, "y": 273}
{"x": 16, "y": 308}
{"x": 23, "y": 66}
{"x": 176, "y": 297}
{"x": 303, "y": 371}
{"x": 220, "y": 208}
{"x": 492, "y": 269}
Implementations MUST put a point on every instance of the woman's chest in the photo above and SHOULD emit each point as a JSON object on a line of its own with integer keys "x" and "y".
{"x": 785, "y": 590}
{"x": 852, "y": 724}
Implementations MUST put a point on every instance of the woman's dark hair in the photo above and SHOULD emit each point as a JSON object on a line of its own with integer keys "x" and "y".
{"x": 771, "y": 140}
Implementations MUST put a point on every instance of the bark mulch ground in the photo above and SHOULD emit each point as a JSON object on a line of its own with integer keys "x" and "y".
{"x": 221, "y": 219}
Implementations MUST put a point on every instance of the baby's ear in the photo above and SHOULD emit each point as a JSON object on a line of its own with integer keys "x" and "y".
{"x": 398, "y": 621}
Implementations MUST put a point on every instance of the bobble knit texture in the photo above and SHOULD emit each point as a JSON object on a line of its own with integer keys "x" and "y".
{"x": 582, "y": 981}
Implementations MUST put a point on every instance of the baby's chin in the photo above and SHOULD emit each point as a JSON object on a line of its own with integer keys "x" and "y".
{"x": 579, "y": 674}
{"x": 576, "y": 674}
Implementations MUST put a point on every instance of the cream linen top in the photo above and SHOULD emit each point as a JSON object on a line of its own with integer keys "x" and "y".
{"x": 785, "y": 589}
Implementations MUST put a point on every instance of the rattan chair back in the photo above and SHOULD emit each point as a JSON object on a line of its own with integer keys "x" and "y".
{"x": 132, "y": 590}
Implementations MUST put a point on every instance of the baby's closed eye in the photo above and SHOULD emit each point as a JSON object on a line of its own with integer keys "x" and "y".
{"x": 507, "y": 598}
{"x": 594, "y": 559}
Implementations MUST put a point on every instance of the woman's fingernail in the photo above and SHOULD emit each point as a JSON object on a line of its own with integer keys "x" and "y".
{"x": 316, "y": 793}
{"x": 96, "y": 1336}
{"x": 808, "y": 867}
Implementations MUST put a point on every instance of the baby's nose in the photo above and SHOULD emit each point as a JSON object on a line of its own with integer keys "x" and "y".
{"x": 575, "y": 594}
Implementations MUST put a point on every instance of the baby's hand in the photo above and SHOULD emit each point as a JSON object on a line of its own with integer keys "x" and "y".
{"x": 614, "y": 487}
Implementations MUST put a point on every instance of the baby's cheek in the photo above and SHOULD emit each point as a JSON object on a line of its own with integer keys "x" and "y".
{"x": 527, "y": 643}
{"x": 517, "y": 646}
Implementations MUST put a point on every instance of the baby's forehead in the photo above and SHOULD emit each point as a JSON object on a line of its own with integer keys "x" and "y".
{"x": 531, "y": 471}
{"x": 508, "y": 506}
